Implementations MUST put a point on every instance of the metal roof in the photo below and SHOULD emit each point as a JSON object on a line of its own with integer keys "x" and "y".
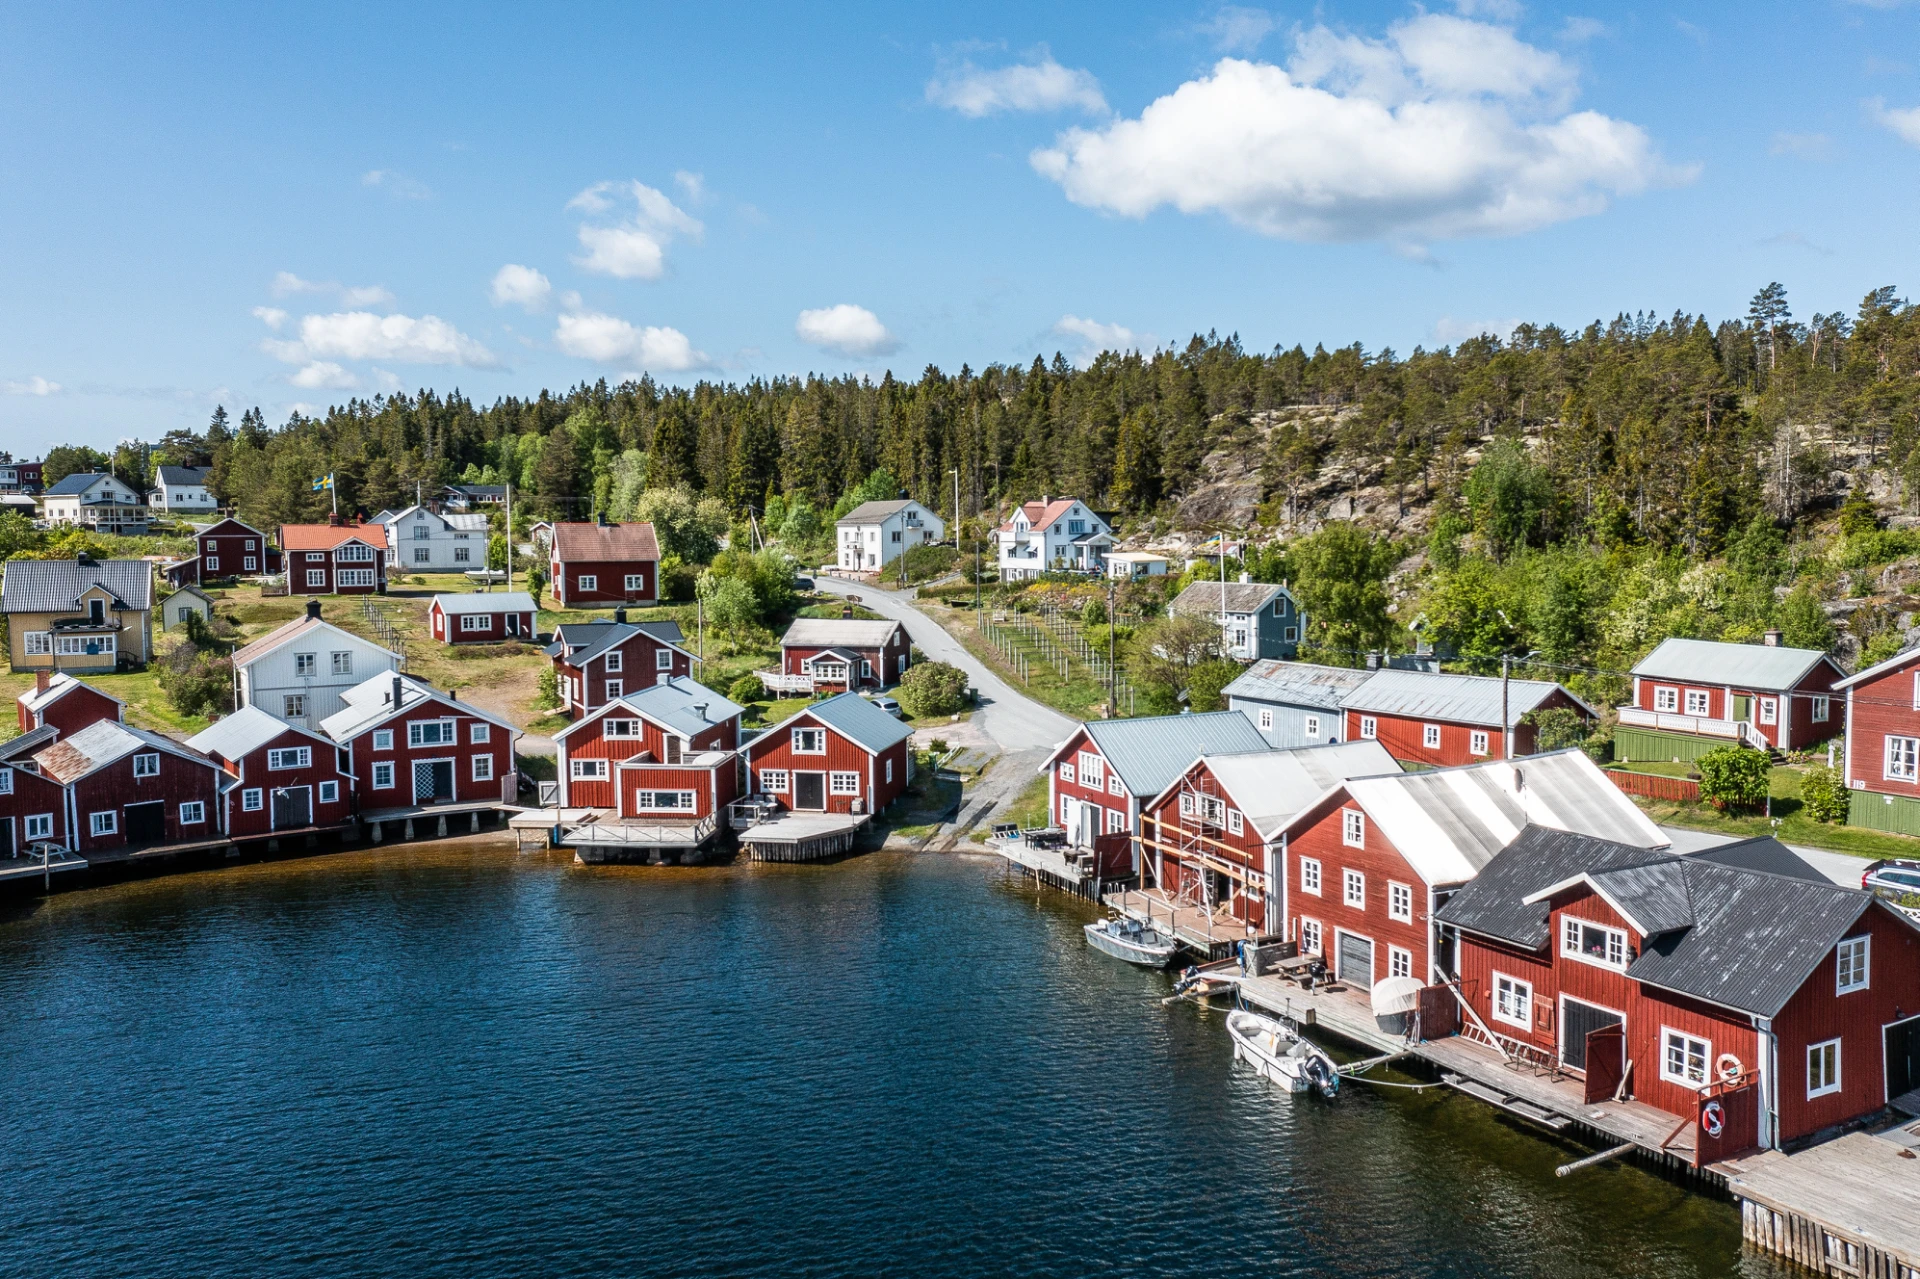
{"x": 1745, "y": 665}
{"x": 1458, "y": 699}
{"x": 1202, "y": 599}
{"x": 598, "y": 637}
{"x": 241, "y": 733}
{"x": 873, "y": 512}
{"x": 371, "y": 703}
{"x": 1271, "y": 787}
{"x": 74, "y": 485}
{"x": 1149, "y": 754}
{"x": 1296, "y": 683}
{"x": 855, "y": 718}
{"x": 35, "y": 700}
{"x": 1762, "y": 852}
{"x": 1495, "y": 904}
{"x": 487, "y": 602}
{"x": 28, "y": 742}
{"x": 834, "y": 632}
{"x": 681, "y": 704}
{"x": 1878, "y": 669}
{"x": 295, "y": 629}
{"x": 1653, "y": 898}
{"x": 184, "y": 474}
{"x": 104, "y": 742}
{"x": 55, "y": 586}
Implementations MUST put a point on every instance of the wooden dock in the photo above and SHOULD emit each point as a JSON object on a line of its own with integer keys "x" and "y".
{"x": 1210, "y": 935}
{"x": 1850, "y": 1206}
{"x": 607, "y": 840}
{"x": 803, "y": 837}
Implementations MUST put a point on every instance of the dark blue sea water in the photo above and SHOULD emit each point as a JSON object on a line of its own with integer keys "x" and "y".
{"x": 456, "y": 1060}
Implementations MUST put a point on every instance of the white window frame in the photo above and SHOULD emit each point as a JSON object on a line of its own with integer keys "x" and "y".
{"x": 147, "y": 764}
{"x": 624, "y": 729}
{"x": 1901, "y": 759}
{"x": 39, "y": 826}
{"x": 1827, "y": 1054}
{"x": 329, "y": 792}
{"x": 1572, "y": 934}
{"x": 1399, "y": 961}
{"x": 1236, "y": 824}
{"x": 213, "y": 563}
{"x": 614, "y": 663}
{"x": 1688, "y": 1075}
{"x": 1310, "y": 875}
{"x": 1822, "y": 707}
{"x": 383, "y": 775}
{"x": 6, "y": 781}
{"x": 277, "y": 758}
{"x": 663, "y": 659}
{"x": 39, "y": 643}
{"x": 1266, "y": 721}
{"x": 801, "y": 736}
{"x": 636, "y": 581}
{"x": 615, "y": 688}
{"x": 587, "y": 770}
{"x": 1853, "y": 964}
{"x": 587, "y": 582}
{"x": 341, "y": 661}
{"x": 647, "y": 800}
{"x": 1369, "y": 728}
{"x": 1312, "y": 937}
{"x": 475, "y": 622}
{"x": 316, "y": 577}
{"x": 1512, "y": 1001}
{"x": 843, "y": 783}
{"x": 193, "y": 812}
{"x": 483, "y": 767}
{"x": 383, "y": 739}
{"x": 1116, "y": 817}
{"x": 1353, "y": 888}
{"x": 1666, "y": 699}
{"x": 1400, "y": 902}
{"x": 1769, "y": 710}
{"x": 1311, "y": 726}
{"x": 1478, "y": 742}
{"x": 1430, "y": 737}
{"x": 353, "y": 577}
{"x": 252, "y": 563}
{"x": 1093, "y": 771}
{"x": 478, "y": 734}
{"x": 1700, "y": 702}
{"x": 252, "y": 799}
{"x": 1353, "y": 828}
{"x": 775, "y": 781}
{"x": 1067, "y": 773}
{"x": 106, "y": 822}
{"x": 446, "y": 732}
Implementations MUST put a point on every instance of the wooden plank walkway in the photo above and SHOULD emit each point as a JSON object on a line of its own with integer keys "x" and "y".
{"x": 1850, "y": 1206}
{"x": 1211, "y": 936}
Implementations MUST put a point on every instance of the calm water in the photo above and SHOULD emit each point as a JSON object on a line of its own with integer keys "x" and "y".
{"x": 461, "y": 1061}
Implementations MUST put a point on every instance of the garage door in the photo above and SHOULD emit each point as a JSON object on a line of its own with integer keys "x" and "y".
{"x": 1356, "y": 961}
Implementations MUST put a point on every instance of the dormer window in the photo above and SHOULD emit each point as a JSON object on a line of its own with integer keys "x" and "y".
{"x": 1592, "y": 943}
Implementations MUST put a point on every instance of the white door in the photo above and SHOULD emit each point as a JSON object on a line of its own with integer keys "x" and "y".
{"x": 1086, "y": 824}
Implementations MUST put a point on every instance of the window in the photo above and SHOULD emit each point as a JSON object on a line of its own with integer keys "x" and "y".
{"x": 1310, "y": 937}
{"x": 1850, "y": 964}
{"x": 1312, "y": 726}
{"x": 1400, "y": 902}
{"x": 432, "y": 732}
{"x": 620, "y": 728}
{"x": 354, "y": 553}
{"x": 342, "y": 663}
{"x": 83, "y": 645}
{"x": 662, "y": 659}
{"x": 1823, "y": 1068}
{"x": 636, "y": 581}
{"x": 615, "y": 687}
{"x": 1592, "y": 943}
{"x": 1093, "y": 770}
{"x": 1820, "y": 706}
{"x": 252, "y": 563}
{"x": 614, "y": 661}
{"x": 463, "y": 555}
{"x": 39, "y": 643}
{"x": 1369, "y": 727}
{"x": 40, "y": 826}
{"x": 423, "y": 554}
{"x": 1698, "y": 700}
{"x": 663, "y": 800}
{"x": 290, "y": 757}
{"x": 586, "y": 582}
{"x": 356, "y": 577}
{"x": 1353, "y": 889}
{"x": 1116, "y": 821}
{"x": 843, "y": 783}
{"x": 1310, "y": 875}
{"x": 478, "y": 733}
{"x": 1903, "y": 759}
{"x": 1769, "y": 710}
{"x": 1353, "y": 828}
{"x": 483, "y": 768}
{"x": 329, "y": 792}
{"x": 316, "y": 577}
{"x": 1066, "y": 772}
{"x": 1430, "y": 737}
{"x": 1113, "y": 785}
{"x": 813, "y": 741}
{"x": 1513, "y": 1001}
{"x": 773, "y": 781}
{"x": 213, "y": 563}
{"x": 383, "y": 776}
{"x": 1477, "y": 742}
{"x": 1399, "y": 961}
{"x": 294, "y": 705}
{"x": 103, "y": 823}
{"x": 889, "y": 772}
{"x": 1666, "y": 699}
{"x": 383, "y": 739}
{"x": 146, "y": 765}
{"x": 6, "y": 781}
{"x": 475, "y": 622}
{"x": 587, "y": 770}
{"x": 1683, "y": 1059}
{"x": 193, "y": 813}
{"x": 1236, "y": 825}
{"x": 1290, "y": 634}
{"x": 315, "y": 557}
{"x": 250, "y": 545}
{"x": 1266, "y": 721}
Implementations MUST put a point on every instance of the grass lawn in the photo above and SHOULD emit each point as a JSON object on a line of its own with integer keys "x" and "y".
{"x": 1030, "y": 810}
{"x": 1795, "y": 827}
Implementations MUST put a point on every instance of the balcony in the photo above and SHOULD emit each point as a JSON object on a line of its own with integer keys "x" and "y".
{"x": 1735, "y": 730}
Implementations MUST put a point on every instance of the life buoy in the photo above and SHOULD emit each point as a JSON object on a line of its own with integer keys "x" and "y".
{"x": 1713, "y": 1119}
{"x": 1730, "y": 1067}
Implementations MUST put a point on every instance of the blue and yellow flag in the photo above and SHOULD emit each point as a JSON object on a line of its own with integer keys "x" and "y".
{"x": 324, "y": 482}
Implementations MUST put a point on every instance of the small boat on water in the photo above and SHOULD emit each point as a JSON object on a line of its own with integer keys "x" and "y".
{"x": 1277, "y": 1052}
{"x": 1131, "y": 940}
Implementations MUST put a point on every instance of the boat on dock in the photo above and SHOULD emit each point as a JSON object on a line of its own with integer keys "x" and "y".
{"x": 1278, "y": 1052}
{"x": 1132, "y": 941}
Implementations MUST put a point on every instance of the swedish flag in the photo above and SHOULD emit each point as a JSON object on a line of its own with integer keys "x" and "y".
{"x": 323, "y": 483}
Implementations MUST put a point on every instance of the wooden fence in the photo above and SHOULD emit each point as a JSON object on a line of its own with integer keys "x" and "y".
{"x": 1655, "y": 786}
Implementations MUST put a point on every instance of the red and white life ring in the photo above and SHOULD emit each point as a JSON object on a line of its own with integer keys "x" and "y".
{"x": 1730, "y": 1068}
{"x": 1713, "y": 1119}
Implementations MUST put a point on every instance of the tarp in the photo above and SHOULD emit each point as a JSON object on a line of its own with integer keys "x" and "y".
{"x": 1396, "y": 995}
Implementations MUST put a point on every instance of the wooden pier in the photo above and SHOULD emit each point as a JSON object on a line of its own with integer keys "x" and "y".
{"x": 803, "y": 837}
{"x": 607, "y": 840}
{"x": 1850, "y": 1206}
{"x": 1211, "y": 935}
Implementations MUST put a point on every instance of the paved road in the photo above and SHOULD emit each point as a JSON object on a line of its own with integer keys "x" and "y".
{"x": 1013, "y": 720}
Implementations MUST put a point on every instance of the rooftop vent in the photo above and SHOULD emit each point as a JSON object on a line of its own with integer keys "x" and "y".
{"x": 313, "y": 609}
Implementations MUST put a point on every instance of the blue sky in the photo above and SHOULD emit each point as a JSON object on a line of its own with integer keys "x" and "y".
{"x": 285, "y": 206}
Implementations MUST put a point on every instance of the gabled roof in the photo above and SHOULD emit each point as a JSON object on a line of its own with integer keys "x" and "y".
{"x": 854, "y": 718}
{"x": 680, "y": 705}
{"x": 1150, "y": 753}
{"x": 299, "y": 628}
{"x": 1296, "y": 683}
{"x": 325, "y": 537}
{"x": 190, "y": 589}
{"x": 462, "y": 521}
{"x": 833, "y": 654}
{"x": 486, "y": 602}
{"x": 77, "y": 484}
{"x": 874, "y": 512}
{"x": 834, "y": 632}
{"x": 105, "y": 742}
{"x": 37, "y": 700}
{"x": 1500, "y": 904}
{"x": 478, "y": 490}
{"x": 576, "y": 540}
{"x": 1203, "y": 599}
{"x": 370, "y": 704}
{"x": 1652, "y": 898}
{"x": 590, "y": 639}
{"x": 245, "y": 731}
{"x": 1881, "y": 668}
{"x": 28, "y": 742}
{"x": 55, "y": 586}
{"x": 184, "y": 474}
{"x": 1457, "y": 699}
{"x": 1270, "y": 787}
{"x": 1764, "y": 666}
{"x": 1762, "y": 852}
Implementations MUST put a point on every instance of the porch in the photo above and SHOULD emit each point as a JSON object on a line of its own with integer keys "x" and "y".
{"x": 775, "y": 682}
{"x": 1733, "y": 730}
{"x": 1210, "y": 933}
{"x": 802, "y": 837}
{"x": 628, "y": 839}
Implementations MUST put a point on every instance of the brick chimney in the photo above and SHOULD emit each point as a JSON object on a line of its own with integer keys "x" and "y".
{"x": 1773, "y": 639}
{"x": 333, "y": 519}
{"x": 40, "y": 681}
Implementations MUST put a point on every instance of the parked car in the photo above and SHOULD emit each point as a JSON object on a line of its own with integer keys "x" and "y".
{"x": 888, "y": 705}
{"x": 1896, "y": 880}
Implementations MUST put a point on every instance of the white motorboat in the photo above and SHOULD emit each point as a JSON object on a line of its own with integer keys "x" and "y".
{"x": 1131, "y": 940}
{"x": 1277, "y": 1052}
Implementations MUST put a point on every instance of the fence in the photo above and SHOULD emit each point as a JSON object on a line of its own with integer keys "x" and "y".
{"x": 380, "y": 622}
{"x": 1655, "y": 786}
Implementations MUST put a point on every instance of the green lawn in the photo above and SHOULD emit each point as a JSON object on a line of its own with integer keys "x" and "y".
{"x": 1794, "y": 826}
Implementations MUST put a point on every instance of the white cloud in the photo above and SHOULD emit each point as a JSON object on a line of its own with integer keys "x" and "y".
{"x": 848, "y": 329}
{"x": 634, "y": 248}
{"x": 1096, "y": 337}
{"x": 1448, "y": 331}
{"x": 1577, "y": 30}
{"x": 1904, "y": 121}
{"x": 608, "y": 339}
{"x": 1040, "y": 85}
{"x": 286, "y": 282}
{"x": 1445, "y": 128}
{"x": 692, "y": 185}
{"x": 521, "y": 286}
{"x": 396, "y": 184}
{"x": 1500, "y": 10}
{"x": 31, "y": 386}
{"x": 323, "y": 373}
{"x": 1236, "y": 30}
{"x": 271, "y": 316}
{"x": 362, "y": 335}
{"x": 1806, "y": 146}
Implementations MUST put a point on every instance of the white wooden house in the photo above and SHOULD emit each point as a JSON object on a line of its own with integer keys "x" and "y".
{"x": 188, "y": 599}
{"x": 425, "y": 541}
{"x": 299, "y": 672}
{"x": 1052, "y": 535}
{"x": 183, "y": 490}
{"x": 96, "y": 501}
{"x": 875, "y": 534}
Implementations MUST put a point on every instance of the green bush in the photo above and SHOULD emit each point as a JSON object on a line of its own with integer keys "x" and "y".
{"x": 197, "y": 681}
{"x": 548, "y": 698}
{"x": 1824, "y": 795}
{"x": 746, "y": 689}
{"x": 932, "y": 688}
{"x": 1734, "y": 776}
{"x": 1558, "y": 727}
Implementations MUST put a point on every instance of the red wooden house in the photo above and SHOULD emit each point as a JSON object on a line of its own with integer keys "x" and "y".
{"x": 1212, "y": 837}
{"x": 409, "y": 744}
{"x": 662, "y": 751}
{"x": 602, "y": 563}
{"x": 335, "y": 559}
{"x": 33, "y": 807}
{"x": 66, "y": 704}
{"x": 1425, "y": 717}
{"x": 483, "y": 617}
{"x": 840, "y": 755}
{"x": 1098, "y": 779}
{"x": 1692, "y": 695}
{"x": 128, "y": 788}
{"x": 1882, "y": 760}
{"x": 839, "y": 655}
{"x": 276, "y": 777}
{"x": 1790, "y": 1003}
{"x": 1367, "y": 864}
{"x": 598, "y": 662}
{"x": 233, "y": 549}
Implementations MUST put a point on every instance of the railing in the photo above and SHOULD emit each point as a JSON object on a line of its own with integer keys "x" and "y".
{"x": 382, "y": 625}
{"x": 628, "y": 832}
{"x": 1695, "y": 725}
{"x": 777, "y": 682}
{"x": 1655, "y": 786}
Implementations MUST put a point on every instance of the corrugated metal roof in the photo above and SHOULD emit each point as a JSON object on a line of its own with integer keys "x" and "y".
{"x": 1271, "y": 787}
{"x": 53, "y": 586}
{"x": 1878, "y": 669}
{"x": 872, "y": 512}
{"x": 1150, "y": 753}
{"x": 59, "y": 686}
{"x": 1457, "y": 699}
{"x": 28, "y": 742}
{"x": 244, "y": 731}
{"x": 74, "y": 485}
{"x": 1202, "y": 599}
{"x": 1763, "y": 852}
{"x": 834, "y": 632}
{"x": 1653, "y": 897}
{"x": 1296, "y": 683}
{"x": 369, "y": 703}
{"x": 589, "y": 640}
{"x": 1495, "y": 904}
{"x": 1743, "y": 665}
{"x": 104, "y": 742}
{"x": 854, "y": 717}
{"x": 486, "y": 602}
{"x": 295, "y": 629}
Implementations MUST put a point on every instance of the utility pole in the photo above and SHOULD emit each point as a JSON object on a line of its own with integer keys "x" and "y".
{"x": 1113, "y": 710}
{"x": 1506, "y": 728}
{"x": 955, "y": 472}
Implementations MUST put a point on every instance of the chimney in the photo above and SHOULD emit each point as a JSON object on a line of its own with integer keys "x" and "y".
{"x": 453, "y": 694}
{"x": 1373, "y": 660}
{"x": 601, "y": 519}
{"x": 40, "y": 681}
{"x": 313, "y": 609}
{"x": 1245, "y": 578}
{"x": 393, "y": 695}
{"x": 1045, "y": 500}
{"x": 620, "y": 616}
{"x": 1773, "y": 639}
{"x": 700, "y": 709}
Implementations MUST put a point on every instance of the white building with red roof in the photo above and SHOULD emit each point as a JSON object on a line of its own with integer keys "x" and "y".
{"x": 1058, "y": 534}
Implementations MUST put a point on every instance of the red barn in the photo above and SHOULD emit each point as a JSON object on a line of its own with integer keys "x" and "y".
{"x": 665, "y": 750}
{"x": 277, "y": 777}
{"x": 1367, "y": 864}
{"x": 410, "y": 744}
{"x": 127, "y": 788}
{"x": 1213, "y": 835}
{"x": 335, "y": 559}
{"x": 233, "y": 549}
{"x": 1882, "y": 761}
{"x": 1690, "y": 696}
{"x": 1098, "y": 779}
{"x": 483, "y": 617}
{"x": 845, "y": 654}
{"x": 66, "y": 704}
{"x": 598, "y": 662}
{"x": 841, "y": 755}
{"x": 33, "y": 807}
{"x": 1785, "y": 999}
{"x": 602, "y": 563}
{"x": 1423, "y": 717}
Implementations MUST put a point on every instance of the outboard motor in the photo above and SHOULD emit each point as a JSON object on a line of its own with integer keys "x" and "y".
{"x": 1324, "y": 1079}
